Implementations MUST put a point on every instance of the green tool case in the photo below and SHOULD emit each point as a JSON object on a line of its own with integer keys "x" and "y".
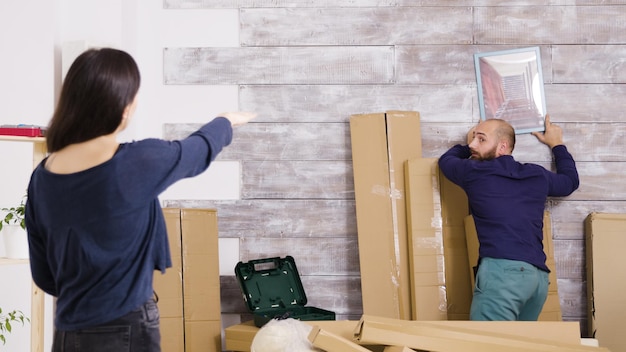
{"x": 272, "y": 289}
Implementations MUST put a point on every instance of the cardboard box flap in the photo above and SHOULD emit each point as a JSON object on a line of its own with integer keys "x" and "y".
{"x": 330, "y": 342}
{"x": 398, "y": 349}
{"x": 607, "y": 216}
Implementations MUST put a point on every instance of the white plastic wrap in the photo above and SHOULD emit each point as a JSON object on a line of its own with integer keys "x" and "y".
{"x": 286, "y": 335}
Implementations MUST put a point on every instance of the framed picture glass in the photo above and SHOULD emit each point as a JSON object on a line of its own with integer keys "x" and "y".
{"x": 510, "y": 87}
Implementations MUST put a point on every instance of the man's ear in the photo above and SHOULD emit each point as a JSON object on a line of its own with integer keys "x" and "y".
{"x": 503, "y": 148}
{"x": 470, "y": 135}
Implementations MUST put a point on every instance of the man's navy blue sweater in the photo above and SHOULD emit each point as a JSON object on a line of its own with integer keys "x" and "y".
{"x": 507, "y": 199}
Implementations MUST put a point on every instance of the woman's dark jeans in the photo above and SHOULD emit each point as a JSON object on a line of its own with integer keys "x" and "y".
{"x": 138, "y": 331}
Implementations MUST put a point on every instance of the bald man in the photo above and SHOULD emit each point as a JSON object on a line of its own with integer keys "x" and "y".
{"x": 507, "y": 200}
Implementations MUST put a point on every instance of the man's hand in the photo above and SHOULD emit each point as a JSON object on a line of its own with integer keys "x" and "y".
{"x": 552, "y": 136}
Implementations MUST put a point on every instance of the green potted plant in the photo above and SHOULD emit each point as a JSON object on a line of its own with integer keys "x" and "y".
{"x": 6, "y": 327}
{"x": 13, "y": 228}
{"x": 15, "y": 215}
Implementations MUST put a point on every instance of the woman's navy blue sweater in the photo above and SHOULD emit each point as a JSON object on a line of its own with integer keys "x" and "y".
{"x": 97, "y": 236}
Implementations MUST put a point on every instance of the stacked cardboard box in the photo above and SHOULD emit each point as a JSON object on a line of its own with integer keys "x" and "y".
{"x": 438, "y": 255}
{"x": 415, "y": 262}
{"x": 425, "y": 240}
{"x": 606, "y": 278}
{"x": 382, "y": 144}
{"x": 454, "y": 209}
{"x": 189, "y": 291}
{"x": 169, "y": 289}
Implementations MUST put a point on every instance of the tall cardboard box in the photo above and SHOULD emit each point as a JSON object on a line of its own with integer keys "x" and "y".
{"x": 454, "y": 209}
{"x": 169, "y": 288}
{"x": 381, "y": 144}
{"x": 201, "y": 280}
{"x": 436, "y": 209}
{"x": 605, "y": 236}
{"x": 425, "y": 238}
{"x": 189, "y": 292}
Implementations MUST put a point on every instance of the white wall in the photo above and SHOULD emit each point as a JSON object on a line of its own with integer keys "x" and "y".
{"x": 26, "y": 96}
{"x": 31, "y": 35}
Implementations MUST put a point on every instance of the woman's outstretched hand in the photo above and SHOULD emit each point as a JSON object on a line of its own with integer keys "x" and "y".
{"x": 238, "y": 118}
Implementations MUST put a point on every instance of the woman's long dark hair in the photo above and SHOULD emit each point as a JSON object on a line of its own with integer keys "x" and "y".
{"x": 99, "y": 85}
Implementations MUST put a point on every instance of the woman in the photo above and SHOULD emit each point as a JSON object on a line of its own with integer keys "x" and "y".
{"x": 95, "y": 226}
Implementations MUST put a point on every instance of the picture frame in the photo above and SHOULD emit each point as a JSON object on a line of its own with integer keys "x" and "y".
{"x": 510, "y": 87}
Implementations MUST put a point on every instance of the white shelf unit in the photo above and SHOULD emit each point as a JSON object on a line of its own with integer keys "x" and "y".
{"x": 9, "y": 261}
{"x": 37, "y": 295}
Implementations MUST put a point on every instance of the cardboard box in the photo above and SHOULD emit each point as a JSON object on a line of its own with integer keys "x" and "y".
{"x": 201, "y": 276}
{"x": 381, "y": 143}
{"x": 203, "y": 335}
{"x": 552, "y": 307}
{"x": 454, "y": 209}
{"x": 436, "y": 209}
{"x": 515, "y": 336}
{"x": 239, "y": 337}
{"x": 605, "y": 236}
{"x": 169, "y": 288}
{"x": 425, "y": 240}
{"x": 189, "y": 291}
{"x": 172, "y": 334}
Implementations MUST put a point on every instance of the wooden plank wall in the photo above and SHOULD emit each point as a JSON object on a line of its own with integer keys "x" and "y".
{"x": 305, "y": 66}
